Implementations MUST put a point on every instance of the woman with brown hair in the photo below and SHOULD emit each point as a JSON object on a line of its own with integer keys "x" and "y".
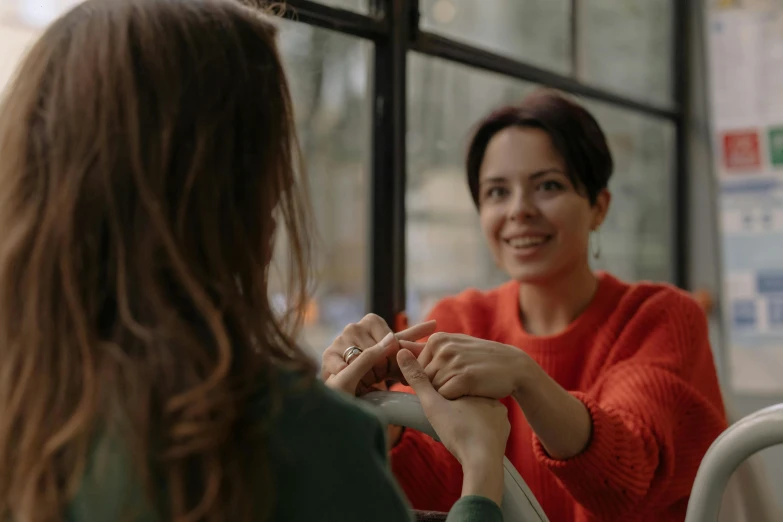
{"x": 610, "y": 386}
{"x": 145, "y": 148}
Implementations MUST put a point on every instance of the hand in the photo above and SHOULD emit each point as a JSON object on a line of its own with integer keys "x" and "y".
{"x": 459, "y": 365}
{"x": 349, "y": 378}
{"x": 474, "y": 430}
{"x": 364, "y": 334}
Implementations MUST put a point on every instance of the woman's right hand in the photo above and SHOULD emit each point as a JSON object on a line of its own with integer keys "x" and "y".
{"x": 474, "y": 430}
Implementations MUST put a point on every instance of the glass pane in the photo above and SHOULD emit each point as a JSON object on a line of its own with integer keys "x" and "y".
{"x": 627, "y": 47}
{"x": 535, "y": 31}
{"x": 445, "y": 247}
{"x": 328, "y": 74}
{"x": 362, "y": 6}
{"x": 636, "y": 238}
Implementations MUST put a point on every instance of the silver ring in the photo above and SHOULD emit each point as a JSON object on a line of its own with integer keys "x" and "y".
{"x": 351, "y": 351}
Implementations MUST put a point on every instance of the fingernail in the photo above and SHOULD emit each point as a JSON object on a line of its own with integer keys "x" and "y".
{"x": 386, "y": 340}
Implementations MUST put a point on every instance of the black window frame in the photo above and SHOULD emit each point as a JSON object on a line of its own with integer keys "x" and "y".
{"x": 393, "y": 27}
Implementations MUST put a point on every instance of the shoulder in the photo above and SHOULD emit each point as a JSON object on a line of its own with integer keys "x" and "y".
{"x": 472, "y": 311}
{"x": 660, "y": 324}
{"x": 325, "y": 444}
{"x": 656, "y": 302}
{"x": 309, "y": 405}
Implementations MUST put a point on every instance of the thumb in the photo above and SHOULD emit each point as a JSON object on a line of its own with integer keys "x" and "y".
{"x": 417, "y": 379}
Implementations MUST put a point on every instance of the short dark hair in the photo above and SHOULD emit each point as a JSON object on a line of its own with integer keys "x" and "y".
{"x": 574, "y": 132}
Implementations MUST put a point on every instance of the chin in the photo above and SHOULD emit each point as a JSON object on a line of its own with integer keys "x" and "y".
{"x": 531, "y": 274}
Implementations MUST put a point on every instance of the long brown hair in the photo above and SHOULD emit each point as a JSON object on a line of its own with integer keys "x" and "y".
{"x": 145, "y": 146}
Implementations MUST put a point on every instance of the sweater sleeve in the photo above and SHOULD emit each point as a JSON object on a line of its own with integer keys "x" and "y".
{"x": 655, "y": 409}
{"x": 475, "y": 509}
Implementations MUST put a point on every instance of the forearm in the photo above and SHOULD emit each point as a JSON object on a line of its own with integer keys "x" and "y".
{"x": 560, "y": 421}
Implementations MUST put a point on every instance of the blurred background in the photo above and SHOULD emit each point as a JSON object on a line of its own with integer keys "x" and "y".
{"x": 386, "y": 93}
{"x": 624, "y": 47}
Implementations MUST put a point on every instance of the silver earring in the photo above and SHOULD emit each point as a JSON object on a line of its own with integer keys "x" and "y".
{"x": 595, "y": 244}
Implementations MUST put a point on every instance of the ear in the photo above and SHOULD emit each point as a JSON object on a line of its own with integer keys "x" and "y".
{"x": 600, "y": 208}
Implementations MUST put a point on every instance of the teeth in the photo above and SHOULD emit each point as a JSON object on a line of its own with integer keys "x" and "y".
{"x": 523, "y": 242}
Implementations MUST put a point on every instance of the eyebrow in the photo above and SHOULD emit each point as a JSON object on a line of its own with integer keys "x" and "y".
{"x": 535, "y": 175}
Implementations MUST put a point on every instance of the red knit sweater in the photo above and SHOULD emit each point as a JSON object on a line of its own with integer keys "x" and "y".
{"x": 639, "y": 358}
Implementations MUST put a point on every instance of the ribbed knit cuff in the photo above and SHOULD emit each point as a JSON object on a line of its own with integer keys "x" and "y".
{"x": 474, "y": 508}
{"x": 605, "y": 476}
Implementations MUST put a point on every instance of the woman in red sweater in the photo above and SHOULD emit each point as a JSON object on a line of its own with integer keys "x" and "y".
{"x": 611, "y": 387}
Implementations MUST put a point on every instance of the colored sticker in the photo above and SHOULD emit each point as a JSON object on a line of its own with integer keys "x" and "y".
{"x": 776, "y": 146}
{"x": 741, "y": 150}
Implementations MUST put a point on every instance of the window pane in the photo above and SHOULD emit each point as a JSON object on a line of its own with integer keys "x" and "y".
{"x": 328, "y": 75}
{"x": 536, "y": 31}
{"x": 627, "y": 47}
{"x": 636, "y": 238}
{"x": 362, "y": 6}
{"x": 445, "y": 247}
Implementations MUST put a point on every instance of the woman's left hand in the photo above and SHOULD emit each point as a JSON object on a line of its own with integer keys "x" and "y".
{"x": 348, "y": 380}
{"x": 460, "y": 365}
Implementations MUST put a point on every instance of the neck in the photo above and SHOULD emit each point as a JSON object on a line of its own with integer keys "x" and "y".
{"x": 549, "y": 307}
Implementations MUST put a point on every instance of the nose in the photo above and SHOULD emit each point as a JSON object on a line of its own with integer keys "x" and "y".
{"x": 522, "y": 207}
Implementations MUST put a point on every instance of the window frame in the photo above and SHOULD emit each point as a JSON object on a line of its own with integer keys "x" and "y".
{"x": 394, "y": 28}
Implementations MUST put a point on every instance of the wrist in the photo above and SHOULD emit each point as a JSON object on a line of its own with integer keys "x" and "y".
{"x": 483, "y": 477}
{"x": 524, "y": 375}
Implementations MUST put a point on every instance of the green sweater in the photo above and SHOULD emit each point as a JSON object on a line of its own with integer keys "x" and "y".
{"x": 328, "y": 455}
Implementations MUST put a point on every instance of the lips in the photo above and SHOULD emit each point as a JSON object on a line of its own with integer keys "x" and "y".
{"x": 527, "y": 241}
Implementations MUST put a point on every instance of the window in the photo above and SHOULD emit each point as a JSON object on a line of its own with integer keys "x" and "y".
{"x": 467, "y": 57}
{"x": 636, "y": 239}
{"x": 536, "y": 31}
{"x": 328, "y": 74}
{"x": 361, "y": 6}
{"x": 626, "y": 47}
{"x": 446, "y": 251}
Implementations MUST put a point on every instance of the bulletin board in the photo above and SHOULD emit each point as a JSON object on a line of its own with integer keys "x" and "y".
{"x": 745, "y": 61}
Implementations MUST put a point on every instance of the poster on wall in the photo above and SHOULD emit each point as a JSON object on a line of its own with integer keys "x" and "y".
{"x": 745, "y": 49}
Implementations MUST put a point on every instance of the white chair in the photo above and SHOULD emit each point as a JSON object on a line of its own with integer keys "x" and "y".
{"x": 731, "y": 449}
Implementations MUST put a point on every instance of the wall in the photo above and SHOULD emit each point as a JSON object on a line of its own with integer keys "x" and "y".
{"x": 704, "y": 252}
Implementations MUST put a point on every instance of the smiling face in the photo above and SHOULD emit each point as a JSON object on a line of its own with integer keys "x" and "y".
{"x": 537, "y": 223}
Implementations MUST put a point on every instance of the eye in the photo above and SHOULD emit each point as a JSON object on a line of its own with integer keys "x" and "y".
{"x": 495, "y": 192}
{"x": 551, "y": 186}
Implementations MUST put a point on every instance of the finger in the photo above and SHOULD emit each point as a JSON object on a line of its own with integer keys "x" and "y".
{"x": 332, "y": 363}
{"x": 378, "y": 329}
{"x": 417, "y": 379}
{"x": 438, "y": 375}
{"x": 362, "y": 365}
{"x": 414, "y": 348}
{"x": 426, "y": 356}
{"x": 358, "y": 335}
{"x": 420, "y": 331}
{"x": 394, "y": 372}
{"x": 376, "y": 326}
{"x": 454, "y": 388}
